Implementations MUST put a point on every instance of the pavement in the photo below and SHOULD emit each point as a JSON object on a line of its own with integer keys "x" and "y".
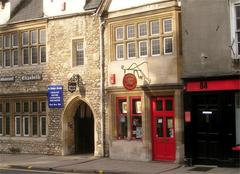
{"x": 91, "y": 164}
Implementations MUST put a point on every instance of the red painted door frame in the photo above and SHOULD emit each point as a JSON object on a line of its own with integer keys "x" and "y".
{"x": 163, "y": 129}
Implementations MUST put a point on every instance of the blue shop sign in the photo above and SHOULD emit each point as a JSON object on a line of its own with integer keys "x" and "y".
{"x": 55, "y": 96}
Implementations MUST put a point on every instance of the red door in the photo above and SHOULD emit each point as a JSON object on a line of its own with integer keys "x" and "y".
{"x": 163, "y": 129}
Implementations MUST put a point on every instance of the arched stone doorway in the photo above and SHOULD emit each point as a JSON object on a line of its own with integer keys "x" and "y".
{"x": 78, "y": 128}
{"x": 84, "y": 130}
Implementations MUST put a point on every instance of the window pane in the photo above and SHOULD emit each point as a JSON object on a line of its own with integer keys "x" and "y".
{"x": 42, "y": 38}
{"x": 25, "y": 56}
{"x": 43, "y": 126}
{"x": 26, "y": 126}
{"x": 34, "y": 107}
{"x": 142, "y": 29}
{"x": 159, "y": 126}
{"x": 1, "y": 125}
{"x": 119, "y": 51}
{"x": 43, "y": 54}
{"x": 130, "y": 31}
{"x": 17, "y": 107}
{"x": 15, "y": 57}
{"x": 34, "y": 55}
{"x": 167, "y": 23}
{"x": 159, "y": 105}
{"x": 1, "y": 107}
{"x": 1, "y": 41}
{"x": 169, "y": 127}
{"x": 14, "y": 39}
{"x": 7, "y": 124}
{"x": 119, "y": 33}
{"x": 17, "y": 125}
{"x": 167, "y": 45}
{"x": 7, "y": 107}
{"x": 25, "y": 107}
{"x": 169, "y": 105}
{"x": 7, "y": 41}
{"x": 122, "y": 118}
{"x": 43, "y": 106}
{"x": 7, "y": 58}
{"x": 237, "y": 11}
{"x": 1, "y": 58}
{"x": 137, "y": 106}
{"x": 143, "y": 48}
{"x": 155, "y": 27}
{"x": 238, "y": 24}
{"x": 131, "y": 50}
{"x": 137, "y": 127}
{"x": 155, "y": 47}
{"x": 33, "y": 37}
{"x": 79, "y": 53}
{"x": 34, "y": 125}
{"x": 25, "y": 38}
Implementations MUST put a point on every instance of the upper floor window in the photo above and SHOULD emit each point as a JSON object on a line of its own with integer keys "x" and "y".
{"x": 146, "y": 38}
{"x": 26, "y": 47}
{"x": 235, "y": 28}
{"x": 78, "y": 52}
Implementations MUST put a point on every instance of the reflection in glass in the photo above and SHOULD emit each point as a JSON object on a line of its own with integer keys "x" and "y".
{"x": 159, "y": 127}
{"x": 169, "y": 128}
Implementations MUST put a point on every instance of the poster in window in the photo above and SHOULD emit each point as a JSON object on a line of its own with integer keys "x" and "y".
{"x": 138, "y": 132}
{"x": 138, "y": 106}
{"x": 124, "y": 107}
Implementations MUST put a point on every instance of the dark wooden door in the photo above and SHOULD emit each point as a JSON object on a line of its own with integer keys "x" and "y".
{"x": 163, "y": 129}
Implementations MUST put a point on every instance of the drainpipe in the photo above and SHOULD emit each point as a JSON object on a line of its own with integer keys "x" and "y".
{"x": 102, "y": 80}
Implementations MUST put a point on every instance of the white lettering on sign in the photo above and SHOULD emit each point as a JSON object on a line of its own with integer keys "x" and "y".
{"x": 206, "y": 112}
{"x": 31, "y": 77}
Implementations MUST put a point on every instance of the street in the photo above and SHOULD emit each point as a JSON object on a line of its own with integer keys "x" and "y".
{"x": 22, "y": 171}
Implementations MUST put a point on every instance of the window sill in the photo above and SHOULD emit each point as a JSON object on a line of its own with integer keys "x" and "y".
{"x": 23, "y": 138}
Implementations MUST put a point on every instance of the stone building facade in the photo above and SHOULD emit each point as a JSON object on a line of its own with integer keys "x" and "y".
{"x": 59, "y": 50}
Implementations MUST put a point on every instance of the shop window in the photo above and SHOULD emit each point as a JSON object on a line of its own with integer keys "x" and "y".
{"x": 26, "y": 125}
{"x": 25, "y": 118}
{"x": 237, "y": 115}
{"x": 1, "y": 125}
{"x": 122, "y": 118}
{"x": 129, "y": 118}
{"x": 43, "y": 125}
{"x": 34, "y": 125}
{"x": 7, "y": 124}
{"x": 136, "y": 117}
{"x": 17, "y": 126}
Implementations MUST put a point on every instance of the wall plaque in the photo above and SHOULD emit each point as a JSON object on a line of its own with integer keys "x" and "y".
{"x": 129, "y": 81}
{"x": 55, "y": 96}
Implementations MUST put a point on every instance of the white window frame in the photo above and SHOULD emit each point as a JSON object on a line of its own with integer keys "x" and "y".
{"x": 164, "y": 20}
{"x": 139, "y": 26}
{"x": 15, "y": 122}
{"x": 41, "y": 126}
{"x": 121, "y": 58}
{"x": 151, "y": 26}
{"x": 164, "y": 45}
{"x": 152, "y": 47}
{"x": 128, "y": 50}
{"x": 139, "y": 48}
{"x": 234, "y": 43}
{"x": 116, "y": 33}
{"x": 24, "y": 133}
{"x": 134, "y": 32}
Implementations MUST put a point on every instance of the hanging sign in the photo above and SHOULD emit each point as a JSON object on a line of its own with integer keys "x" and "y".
{"x": 55, "y": 96}
{"x": 129, "y": 81}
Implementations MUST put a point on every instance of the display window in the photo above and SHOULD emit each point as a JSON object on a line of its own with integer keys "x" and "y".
{"x": 129, "y": 117}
